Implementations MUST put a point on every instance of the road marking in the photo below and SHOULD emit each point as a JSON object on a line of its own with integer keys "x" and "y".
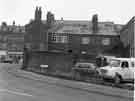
{"x": 16, "y": 93}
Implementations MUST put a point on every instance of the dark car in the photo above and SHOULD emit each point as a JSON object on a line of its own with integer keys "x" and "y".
{"x": 81, "y": 70}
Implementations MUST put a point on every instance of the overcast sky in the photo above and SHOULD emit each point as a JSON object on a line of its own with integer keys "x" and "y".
{"x": 118, "y": 11}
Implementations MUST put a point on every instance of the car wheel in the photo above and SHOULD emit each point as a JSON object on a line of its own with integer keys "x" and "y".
{"x": 73, "y": 74}
{"x": 117, "y": 80}
{"x": 105, "y": 79}
{"x": 97, "y": 74}
{"x": 77, "y": 76}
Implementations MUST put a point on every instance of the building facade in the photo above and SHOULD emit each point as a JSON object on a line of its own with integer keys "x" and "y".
{"x": 61, "y": 43}
{"x": 127, "y": 36}
{"x": 15, "y": 42}
{"x": 12, "y": 37}
{"x": 3, "y": 41}
{"x": 36, "y": 37}
{"x": 78, "y": 37}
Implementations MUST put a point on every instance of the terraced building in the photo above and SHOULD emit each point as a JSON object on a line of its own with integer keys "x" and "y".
{"x": 61, "y": 43}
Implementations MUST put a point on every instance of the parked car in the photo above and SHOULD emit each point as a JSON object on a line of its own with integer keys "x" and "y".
{"x": 119, "y": 69}
{"x": 81, "y": 70}
{"x": 8, "y": 60}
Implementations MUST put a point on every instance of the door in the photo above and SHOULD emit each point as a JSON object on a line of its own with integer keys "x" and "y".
{"x": 132, "y": 69}
{"x": 125, "y": 70}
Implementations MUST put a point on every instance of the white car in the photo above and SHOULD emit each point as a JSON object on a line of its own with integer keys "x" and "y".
{"x": 119, "y": 69}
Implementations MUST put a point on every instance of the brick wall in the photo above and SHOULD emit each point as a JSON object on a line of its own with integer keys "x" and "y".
{"x": 55, "y": 61}
{"x": 127, "y": 36}
{"x": 94, "y": 46}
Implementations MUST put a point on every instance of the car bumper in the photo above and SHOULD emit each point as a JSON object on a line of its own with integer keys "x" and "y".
{"x": 106, "y": 76}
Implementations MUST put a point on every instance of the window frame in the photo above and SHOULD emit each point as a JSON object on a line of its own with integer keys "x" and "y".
{"x": 59, "y": 38}
{"x": 125, "y": 62}
{"x": 106, "y": 41}
{"x": 85, "y": 40}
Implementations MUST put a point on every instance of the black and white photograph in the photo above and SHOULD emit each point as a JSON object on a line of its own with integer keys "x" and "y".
{"x": 67, "y": 50}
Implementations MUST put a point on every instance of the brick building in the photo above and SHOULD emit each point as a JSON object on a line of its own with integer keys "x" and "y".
{"x": 78, "y": 37}
{"x": 60, "y": 43}
{"x": 36, "y": 38}
{"x": 15, "y": 42}
{"x": 127, "y": 36}
{"x": 12, "y": 37}
{"x": 3, "y": 41}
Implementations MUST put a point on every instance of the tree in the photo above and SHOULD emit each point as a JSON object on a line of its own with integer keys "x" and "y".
{"x": 4, "y": 24}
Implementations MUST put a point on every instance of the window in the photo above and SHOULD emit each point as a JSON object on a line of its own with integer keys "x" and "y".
{"x": 106, "y": 41}
{"x": 114, "y": 63}
{"x": 57, "y": 38}
{"x": 124, "y": 64}
{"x": 28, "y": 45}
{"x": 53, "y": 37}
{"x": 85, "y": 40}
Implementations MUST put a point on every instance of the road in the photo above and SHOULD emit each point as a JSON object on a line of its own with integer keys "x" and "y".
{"x": 13, "y": 88}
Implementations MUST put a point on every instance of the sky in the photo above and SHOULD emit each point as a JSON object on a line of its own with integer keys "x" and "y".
{"x": 118, "y": 11}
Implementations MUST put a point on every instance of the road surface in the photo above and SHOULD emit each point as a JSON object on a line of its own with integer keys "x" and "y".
{"x": 14, "y": 88}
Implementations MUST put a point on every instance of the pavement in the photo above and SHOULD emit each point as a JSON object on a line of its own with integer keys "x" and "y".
{"x": 92, "y": 88}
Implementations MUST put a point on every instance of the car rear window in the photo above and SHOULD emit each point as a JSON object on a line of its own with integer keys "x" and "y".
{"x": 84, "y": 65}
{"x": 114, "y": 63}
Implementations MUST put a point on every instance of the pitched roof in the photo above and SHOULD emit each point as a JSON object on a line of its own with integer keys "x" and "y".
{"x": 82, "y": 27}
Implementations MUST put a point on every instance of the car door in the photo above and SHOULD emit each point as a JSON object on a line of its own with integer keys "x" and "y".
{"x": 125, "y": 70}
{"x": 132, "y": 69}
